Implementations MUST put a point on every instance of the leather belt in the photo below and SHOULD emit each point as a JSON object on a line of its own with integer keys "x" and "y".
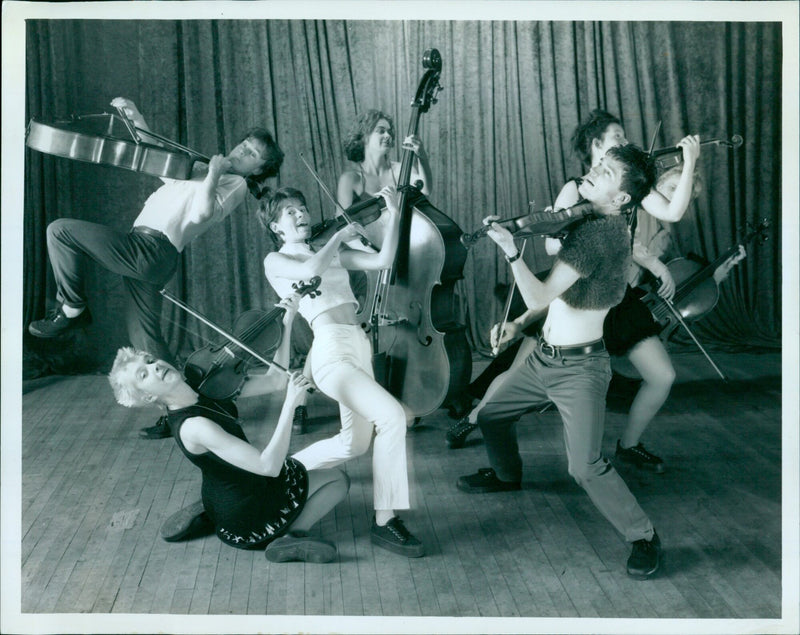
{"x": 141, "y": 229}
{"x": 566, "y": 351}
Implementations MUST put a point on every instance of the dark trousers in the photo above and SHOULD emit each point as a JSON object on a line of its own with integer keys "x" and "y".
{"x": 145, "y": 263}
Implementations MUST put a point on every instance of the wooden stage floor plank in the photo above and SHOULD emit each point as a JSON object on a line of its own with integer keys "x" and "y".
{"x": 94, "y": 496}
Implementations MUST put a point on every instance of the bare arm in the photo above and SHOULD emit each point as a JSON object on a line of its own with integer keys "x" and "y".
{"x": 291, "y": 268}
{"x": 671, "y": 211}
{"x": 421, "y": 169}
{"x": 346, "y": 189}
{"x": 200, "y": 435}
{"x": 274, "y": 380}
{"x": 567, "y": 197}
{"x": 536, "y": 293}
{"x": 365, "y": 261}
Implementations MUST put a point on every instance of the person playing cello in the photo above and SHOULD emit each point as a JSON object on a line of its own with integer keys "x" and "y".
{"x": 147, "y": 256}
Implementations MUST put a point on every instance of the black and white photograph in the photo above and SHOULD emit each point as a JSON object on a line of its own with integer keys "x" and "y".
{"x": 400, "y": 317}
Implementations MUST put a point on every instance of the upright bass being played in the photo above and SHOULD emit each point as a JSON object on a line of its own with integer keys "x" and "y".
{"x": 422, "y": 355}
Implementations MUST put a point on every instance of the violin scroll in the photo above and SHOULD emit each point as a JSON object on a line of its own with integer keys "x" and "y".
{"x": 310, "y": 288}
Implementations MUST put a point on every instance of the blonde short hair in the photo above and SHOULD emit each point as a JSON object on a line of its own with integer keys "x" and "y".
{"x": 125, "y": 394}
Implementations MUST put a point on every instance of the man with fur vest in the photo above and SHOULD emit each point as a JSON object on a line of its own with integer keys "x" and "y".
{"x": 570, "y": 365}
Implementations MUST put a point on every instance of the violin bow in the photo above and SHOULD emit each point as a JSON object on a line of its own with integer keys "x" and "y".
{"x": 512, "y": 287}
{"x": 682, "y": 322}
{"x": 653, "y": 140}
{"x": 234, "y": 340}
{"x": 366, "y": 241}
{"x": 128, "y": 124}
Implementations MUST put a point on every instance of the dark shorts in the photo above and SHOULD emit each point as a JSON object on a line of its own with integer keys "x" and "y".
{"x": 628, "y": 323}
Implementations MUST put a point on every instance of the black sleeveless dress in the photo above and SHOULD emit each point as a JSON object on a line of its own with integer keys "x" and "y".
{"x": 248, "y": 510}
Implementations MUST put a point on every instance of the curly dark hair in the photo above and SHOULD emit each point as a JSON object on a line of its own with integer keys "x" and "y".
{"x": 639, "y": 172}
{"x": 364, "y": 126}
{"x": 592, "y": 128}
{"x": 270, "y": 208}
{"x": 274, "y": 158}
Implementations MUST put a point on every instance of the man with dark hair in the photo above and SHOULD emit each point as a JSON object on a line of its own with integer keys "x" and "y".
{"x": 570, "y": 365}
{"x": 147, "y": 256}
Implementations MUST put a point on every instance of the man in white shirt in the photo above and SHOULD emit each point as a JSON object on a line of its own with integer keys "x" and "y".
{"x": 147, "y": 256}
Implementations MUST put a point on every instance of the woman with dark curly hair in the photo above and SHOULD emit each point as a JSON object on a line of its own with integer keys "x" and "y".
{"x": 368, "y": 146}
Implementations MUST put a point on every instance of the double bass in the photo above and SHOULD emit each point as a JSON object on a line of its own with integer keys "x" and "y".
{"x": 421, "y": 353}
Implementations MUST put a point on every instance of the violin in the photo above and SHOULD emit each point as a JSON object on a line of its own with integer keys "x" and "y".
{"x": 219, "y": 370}
{"x": 537, "y": 223}
{"x": 363, "y": 212}
{"x": 665, "y": 158}
{"x": 97, "y": 138}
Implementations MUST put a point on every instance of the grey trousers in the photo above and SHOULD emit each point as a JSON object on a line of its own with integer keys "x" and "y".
{"x": 577, "y": 386}
{"x": 145, "y": 263}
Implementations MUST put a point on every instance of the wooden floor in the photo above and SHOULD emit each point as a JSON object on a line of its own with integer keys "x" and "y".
{"x": 94, "y": 496}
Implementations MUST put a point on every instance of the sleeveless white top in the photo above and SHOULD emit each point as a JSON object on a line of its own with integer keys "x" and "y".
{"x": 333, "y": 291}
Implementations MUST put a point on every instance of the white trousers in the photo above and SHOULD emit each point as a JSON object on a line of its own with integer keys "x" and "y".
{"x": 341, "y": 367}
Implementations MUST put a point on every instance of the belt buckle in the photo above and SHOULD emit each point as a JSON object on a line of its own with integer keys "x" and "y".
{"x": 548, "y": 349}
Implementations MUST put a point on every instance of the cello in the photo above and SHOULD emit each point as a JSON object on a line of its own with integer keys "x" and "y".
{"x": 99, "y": 139}
{"x": 421, "y": 354}
{"x": 696, "y": 292}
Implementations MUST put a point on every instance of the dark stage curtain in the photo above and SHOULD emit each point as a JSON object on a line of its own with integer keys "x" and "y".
{"x": 498, "y": 139}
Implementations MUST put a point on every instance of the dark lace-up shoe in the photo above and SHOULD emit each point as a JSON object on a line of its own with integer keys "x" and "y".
{"x": 300, "y": 420}
{"x": 159, "y": 431}
{"x": 298, "y": 546}
{"x": 394, "y": 537}
{"x": 187, "y": 524}
{"x": 485, "y": 481}
{"x": 458, "y": 432}
{"x": 640, "y": 457}
{"x": 645, "y": 558}
{"x": 57, "y": 323}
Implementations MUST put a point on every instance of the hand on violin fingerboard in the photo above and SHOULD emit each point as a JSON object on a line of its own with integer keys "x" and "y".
{"x": 500, "y": 235}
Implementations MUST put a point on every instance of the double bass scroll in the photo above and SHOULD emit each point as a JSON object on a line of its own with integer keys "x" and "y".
{"x": 421, "y": 352}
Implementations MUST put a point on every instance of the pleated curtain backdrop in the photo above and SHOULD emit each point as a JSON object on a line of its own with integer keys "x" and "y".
{"x": 498, "y": 139}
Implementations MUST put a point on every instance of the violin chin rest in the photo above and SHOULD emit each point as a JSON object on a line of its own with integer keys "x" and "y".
{"x": 194, "y": 375}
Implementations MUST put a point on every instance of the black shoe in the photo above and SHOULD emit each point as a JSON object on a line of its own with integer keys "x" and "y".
{"x": 57, "y": 323}
{"x": 645, "y": 558}
{"x": 300, "y": 420}
{"x": 187, "y": 524}
{"x": 458, "y": 432}
{"x": 640, "y": 457}
{"x": 298, "y": 546}
{"x": 159, "y": 431}
{"x": 394, "y": 537}
{"x": 484, "y": 481}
